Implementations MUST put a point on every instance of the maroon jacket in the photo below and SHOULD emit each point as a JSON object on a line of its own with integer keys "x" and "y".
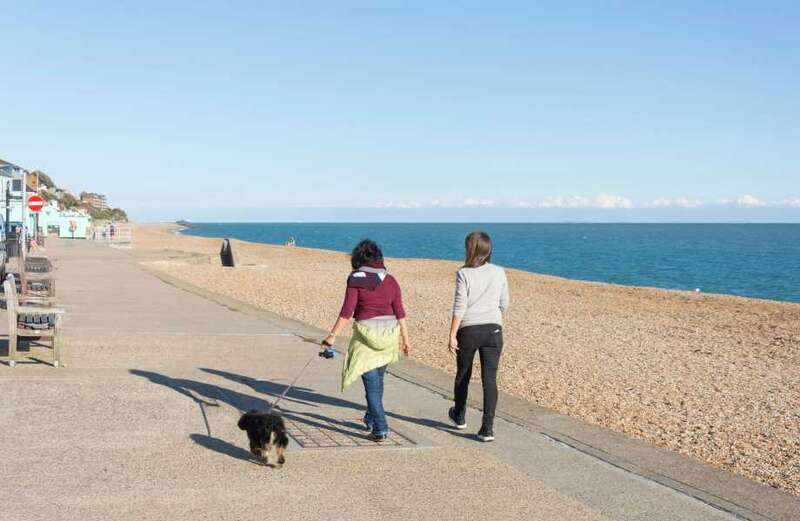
{"x": 364, "y": 303}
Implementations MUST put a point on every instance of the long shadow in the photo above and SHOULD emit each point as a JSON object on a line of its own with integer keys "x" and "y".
{"x": 24, "y": 349}
{"x": 198, "y": 390}
{"x": 205, "y": 394}
{"x": 301, "y": 395}
{"x": 223, "y": 447}
{"x": 308, "y": 396}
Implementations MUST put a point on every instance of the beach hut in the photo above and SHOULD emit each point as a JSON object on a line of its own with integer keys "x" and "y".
{"x": 73, "y": 224}
{"x": 49, "y": 219}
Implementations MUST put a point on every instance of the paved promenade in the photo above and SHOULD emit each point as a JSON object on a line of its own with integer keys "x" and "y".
{"x": 141, "y": 424}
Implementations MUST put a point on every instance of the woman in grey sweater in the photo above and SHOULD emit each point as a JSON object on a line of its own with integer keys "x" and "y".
{"x": 480, "y": 300}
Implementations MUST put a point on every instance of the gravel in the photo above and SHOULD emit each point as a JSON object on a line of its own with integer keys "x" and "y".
{"x": 711, "y": 376}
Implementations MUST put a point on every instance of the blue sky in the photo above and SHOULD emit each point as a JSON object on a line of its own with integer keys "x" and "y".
{"x": 411, "y": 110}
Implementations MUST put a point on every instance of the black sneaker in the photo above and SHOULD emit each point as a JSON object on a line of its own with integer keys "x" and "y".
{"x": 459, "y": 421}
{"x": 485, "y": 434}
{"x": 377, "y": 438}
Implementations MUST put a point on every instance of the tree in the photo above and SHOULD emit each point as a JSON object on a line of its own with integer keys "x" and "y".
{"x": 69, "y": 201}
{"x": 107, "y": 214}
{"x": 45, "y": 179}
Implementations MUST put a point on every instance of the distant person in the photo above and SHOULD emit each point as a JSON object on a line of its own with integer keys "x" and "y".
{"x": 481, "y": 297}
{"x": 291, "y": 241}
{"x": 111, "y": 231}
{"x": 374, "y": 299}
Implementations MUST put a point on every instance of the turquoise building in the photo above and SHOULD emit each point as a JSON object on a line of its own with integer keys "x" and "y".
{"x": 67, "y": 224}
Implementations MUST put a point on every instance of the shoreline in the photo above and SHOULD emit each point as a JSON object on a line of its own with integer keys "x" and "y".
{"x": 705, "y": 375}
{"x": 180, "y": 228}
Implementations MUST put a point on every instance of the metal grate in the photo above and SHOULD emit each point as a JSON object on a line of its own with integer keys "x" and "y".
{"x": 339, "y": 434}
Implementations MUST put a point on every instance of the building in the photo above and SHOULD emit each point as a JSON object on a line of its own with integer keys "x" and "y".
{"x": 94, "y": 200}
{"x": 11, "y": 177}
{"x": 72, "y": 224}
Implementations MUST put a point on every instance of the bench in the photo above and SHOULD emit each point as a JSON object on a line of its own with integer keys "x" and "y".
{"x": 30, "y": 321}
{"x": 35, "y": 278}
{"x": 38, "y": 265}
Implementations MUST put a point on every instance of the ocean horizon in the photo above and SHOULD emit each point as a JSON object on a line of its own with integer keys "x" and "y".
{"x": 748, "y": 260}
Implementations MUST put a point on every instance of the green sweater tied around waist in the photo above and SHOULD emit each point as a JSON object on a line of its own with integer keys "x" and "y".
{"x": 369, "y": 349}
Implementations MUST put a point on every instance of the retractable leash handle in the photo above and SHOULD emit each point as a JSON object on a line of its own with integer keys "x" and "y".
{"x": 329, "y": 351}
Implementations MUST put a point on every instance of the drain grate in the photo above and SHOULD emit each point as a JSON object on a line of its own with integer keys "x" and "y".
{"x": 339, "y": 434}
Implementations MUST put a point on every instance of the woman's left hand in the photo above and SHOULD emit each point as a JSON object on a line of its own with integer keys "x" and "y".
{"x": 406, "y": 348}
{"x": 330, "y": 339}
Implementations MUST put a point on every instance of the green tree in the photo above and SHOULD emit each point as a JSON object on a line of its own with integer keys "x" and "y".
{"x": 69, "y": 201}
{"x": 107, "y": 214}
{"x": 45, "y": 179}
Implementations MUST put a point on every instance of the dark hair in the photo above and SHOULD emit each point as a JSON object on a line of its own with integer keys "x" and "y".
{"x": 478, "y": 249}
{"x": 365, "y": 252}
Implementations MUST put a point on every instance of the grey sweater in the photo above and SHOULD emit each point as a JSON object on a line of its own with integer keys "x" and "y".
{"x": 481, "y": 295}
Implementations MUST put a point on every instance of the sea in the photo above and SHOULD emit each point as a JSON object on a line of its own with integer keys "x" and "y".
{"x": 749, "y": 260}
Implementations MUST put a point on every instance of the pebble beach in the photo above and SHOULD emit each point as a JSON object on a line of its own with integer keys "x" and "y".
{"x": 714, "y": 377}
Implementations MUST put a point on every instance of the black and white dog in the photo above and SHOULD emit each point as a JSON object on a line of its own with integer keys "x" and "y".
{"x": 265, "y": 430}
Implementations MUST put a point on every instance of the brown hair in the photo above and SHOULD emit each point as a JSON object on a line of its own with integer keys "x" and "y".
{"x": 478, "y": 249}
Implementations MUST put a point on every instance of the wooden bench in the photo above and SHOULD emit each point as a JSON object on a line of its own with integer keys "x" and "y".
{"x": 38, "y": 265}
{"x": 35, "y": 277}
{"x": 30, "y": 321}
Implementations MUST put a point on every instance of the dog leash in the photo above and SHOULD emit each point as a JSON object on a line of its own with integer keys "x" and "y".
{"x": 289, "y": 387}
{"x": 327, "y": 353}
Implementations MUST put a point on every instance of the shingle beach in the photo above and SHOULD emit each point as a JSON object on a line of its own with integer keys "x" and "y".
{"x": 710, "y": 376}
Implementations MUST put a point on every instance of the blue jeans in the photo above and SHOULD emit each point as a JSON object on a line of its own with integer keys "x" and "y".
{"x": 373, "y": 386}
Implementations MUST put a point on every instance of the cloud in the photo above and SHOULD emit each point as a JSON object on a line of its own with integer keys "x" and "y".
{"x": 576, "y": 201}
{"x": 478, "y": 203}
{"x": 401, "y": 204}
{"x": 679, "y": 202}
{"x": 749, "y": 201}
{"x": 602, "y": 201}
{"x": 612, "y": 201}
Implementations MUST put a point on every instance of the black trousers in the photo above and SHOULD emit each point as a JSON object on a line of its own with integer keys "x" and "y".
{"x": 487, "y": 340}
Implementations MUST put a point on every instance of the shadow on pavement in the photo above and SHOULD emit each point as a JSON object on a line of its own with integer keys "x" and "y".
{"x": 308, "y": 396}
{"x": 223, "y": 447}
{"x": 205, "y": 394}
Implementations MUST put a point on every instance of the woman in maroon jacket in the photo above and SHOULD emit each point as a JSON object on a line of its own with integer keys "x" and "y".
{"x": 374, "y": 299}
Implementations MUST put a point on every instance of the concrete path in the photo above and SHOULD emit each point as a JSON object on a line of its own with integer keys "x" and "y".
{"x": 141, "y": 424}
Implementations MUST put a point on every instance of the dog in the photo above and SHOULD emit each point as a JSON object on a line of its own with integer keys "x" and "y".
{"x": 265, "y": 430}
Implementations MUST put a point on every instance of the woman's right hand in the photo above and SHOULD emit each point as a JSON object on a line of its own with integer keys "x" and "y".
{"x": 453, "y": 345}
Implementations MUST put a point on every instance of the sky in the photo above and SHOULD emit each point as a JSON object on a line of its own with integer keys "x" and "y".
{"x": 410, "y": 111}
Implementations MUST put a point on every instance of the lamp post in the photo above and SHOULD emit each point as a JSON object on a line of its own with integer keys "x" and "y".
{"x": 8, "y": 203}
{"x": 24, "y": 207}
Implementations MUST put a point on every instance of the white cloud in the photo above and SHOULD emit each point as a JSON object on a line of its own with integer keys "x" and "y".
{"x": 400, "y": 204}
{"x": 679, "y": 202}
{"x": 478, "y": 203}
{"x": 685, "y": 202}
{"x": 749, "y": 201}
{"x": 602, "y": 201}
{"x": 578, "y": 201}
{"x": 558, "y": 201}
{"x": 612, "y": 201}
{"x": 661, "y": 202}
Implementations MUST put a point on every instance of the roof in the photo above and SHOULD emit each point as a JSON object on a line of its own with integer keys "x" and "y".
{"x": 7, "y": 168}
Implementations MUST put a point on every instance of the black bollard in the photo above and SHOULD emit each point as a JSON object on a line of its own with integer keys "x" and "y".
{"x": 226, "y": 253}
